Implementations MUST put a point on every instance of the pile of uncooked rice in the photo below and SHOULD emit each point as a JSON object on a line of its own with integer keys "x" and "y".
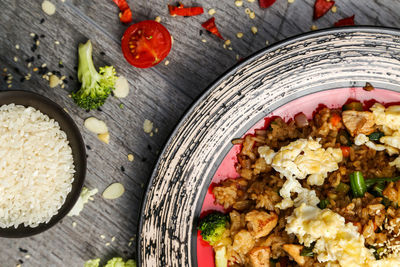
{"x": 36, "y": 167}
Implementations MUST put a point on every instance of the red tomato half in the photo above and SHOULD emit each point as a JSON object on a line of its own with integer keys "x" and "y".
{"x": 145, "y": 44}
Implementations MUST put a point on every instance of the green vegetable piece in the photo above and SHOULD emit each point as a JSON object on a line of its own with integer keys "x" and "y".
{"x": 342, "y": 188}
{"x": 307, "y": 251}
{"x": 357, "y": 184}
{"x": 96, "y": 86}
{"x": 358, "y": 106}
{"x": 119, "y": 262}
{"x": 212, "y": 226}
{"x": 375, "y": 136}
{"x": 221, "y": 259}
{"x": 323, "y": 203}
{"x": 92, "y": 263}
{"x": 371, "y": 182}
{"x": 343, "y": 138}
{"x": 378, "y": 188}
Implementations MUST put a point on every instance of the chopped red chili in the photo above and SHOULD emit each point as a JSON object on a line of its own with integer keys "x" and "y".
{"x": 185, "y": 11}
{"x": 266, "y": 3}
{"x": 321, "y": 7}
{"x": 210, "y": 26}
{"x": 126, "y": 14}
{"x": 349, "y": 21}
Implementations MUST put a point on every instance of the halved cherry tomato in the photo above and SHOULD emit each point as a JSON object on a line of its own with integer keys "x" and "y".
{"x": 145, "y": 44}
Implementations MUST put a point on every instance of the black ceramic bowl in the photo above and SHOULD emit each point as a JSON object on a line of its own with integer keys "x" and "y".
{"x": 54, "y": 111}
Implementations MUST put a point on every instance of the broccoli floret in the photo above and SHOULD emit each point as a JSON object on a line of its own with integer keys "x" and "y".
{"x": 96, "y": 86}
{"x": 213, "y": 226}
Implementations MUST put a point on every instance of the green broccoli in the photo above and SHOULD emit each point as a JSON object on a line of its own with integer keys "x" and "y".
{"x": 96, "y": 86}
{"x": 114, "y": 262}
{"x": 212, "y": 227}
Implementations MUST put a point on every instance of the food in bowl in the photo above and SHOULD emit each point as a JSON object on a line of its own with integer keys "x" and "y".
{"x": 36, "y": 167}
{"x": 319, "y": 192}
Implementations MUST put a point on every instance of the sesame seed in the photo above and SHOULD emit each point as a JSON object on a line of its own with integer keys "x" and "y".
{"x": 32, "y": 34}
{"x": 227, "y": 42}
{"x": 37, "y": 43}
{"x": 129, "y": 244}
{"x": 166, "y": 62}
{"x": 314, "y": 27}
{"x": 74, "y": 223}
{"x": 44, "y": 65}
{"x": 157, "y": 19}
{"x": 113, "y": 239}
{"x": 237, "y": 57}
{"x": 156, "y": 130}
{"x": 238, "y": 3}
{"x": 27, "y": 256}
{"x": 254, "y": 30}
{"x": 211, "y": 11}
{"x": 17, "y": 46}
{"x": 57, "y": 42}
{"x": 108, "y": 244}
{"x": 29, "y": 65}
{"x": 230, "y": 48}
{"x": 204, "y": 40}
{"x": 252, "y": 15}
{"x": 15, "y": 59}
{"x": 131, "y": 157}
{"x": 266, "y": 42}
{"x": 239, "y": 35}
{"x": 334, "y": 9}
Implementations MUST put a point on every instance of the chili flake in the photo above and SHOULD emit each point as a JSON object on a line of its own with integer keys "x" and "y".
{"x": 184, "y": 11}
{"x": 210, "y": 26}
{"x": 266, "y": 3}
{"x": 125, "y": 16}
{"x": 321, "y": 7}
{"x": 349, "y": 21}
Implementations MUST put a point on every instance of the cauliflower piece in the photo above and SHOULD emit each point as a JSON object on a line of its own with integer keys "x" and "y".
{"x": 260, "y": 223}
{"x": 358, "y": 122}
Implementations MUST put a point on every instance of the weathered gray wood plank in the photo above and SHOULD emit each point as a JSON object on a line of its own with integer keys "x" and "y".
{"x": 160, "y": 94}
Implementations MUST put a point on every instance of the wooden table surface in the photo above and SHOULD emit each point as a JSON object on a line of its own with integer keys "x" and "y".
{"x": 160, "y": 94}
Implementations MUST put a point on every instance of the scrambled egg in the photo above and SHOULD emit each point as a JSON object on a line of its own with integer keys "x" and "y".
{"x": 362, "y": 139}
{"x": 336, "y": 243}
{"x": 298, "y": 160}
{"x": 388, "y": 119}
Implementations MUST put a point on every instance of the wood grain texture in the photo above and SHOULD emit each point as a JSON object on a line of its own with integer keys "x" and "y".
{"x": 160, "y": 94}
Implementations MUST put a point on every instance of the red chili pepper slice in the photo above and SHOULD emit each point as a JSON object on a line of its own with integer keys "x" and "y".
{"x": 185, "y": 11}
{"x": 349, "y": 21}
{"x": 210, "y": 26}
{"x": 126, "y": 14}
{"x": 266, "y": 3}
{"x": 321, "y": 7}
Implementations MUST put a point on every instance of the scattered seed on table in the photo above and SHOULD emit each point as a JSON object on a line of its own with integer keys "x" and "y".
{"x": 48, "y": 7}
{"x": 238, "y": 3}
{"x": 211, "y": 11}
{"x": 254, "y": 29}
{"x": 113, "y": 239}
{"x": 108, "y": 244}
{"x": 334, "y": 9}
{"x": 44, "y": 65}
{"x": 204, "y": 40}
{"x": 131, "y": 157}
{"x": 156, "y": 130}
{"x": 227, "y": 42}
{"x": 237, "y": 57}
{"x": 252, "y": 15}
{"x": 166, "y": 62}
{"x": 32, "y": 34}
{"x": 102, "y": 236}
{"x": 17, "y": 46}
{"x": 15, "y": 59}
{"x": 29, "y": 65}
{"x": 129, "y": 244}
{"x": 57, "y": 42}
{"x": 251, "y": 1}
{"x": 158, "y": 19}
{"x": 147, "y": 126}
{"x": 247, "y": 11}
{"x": 74, "y": 224}
{"x": 291, "y": 1}
{"x": 37, "y": 43}
{"x": 239, "y": 35}
{"x": 27, "y": 256}
{"x": 314, "y": 27}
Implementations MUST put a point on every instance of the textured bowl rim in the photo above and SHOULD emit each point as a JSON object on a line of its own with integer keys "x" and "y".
{"x": 223, "y": 77}
{"x": 78, "y": 181}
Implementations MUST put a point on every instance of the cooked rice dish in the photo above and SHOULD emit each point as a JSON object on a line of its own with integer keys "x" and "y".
{"x": 36, "y": 167}
{"x": 320, "y": 192}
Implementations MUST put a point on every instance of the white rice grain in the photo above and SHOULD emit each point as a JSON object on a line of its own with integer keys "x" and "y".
{"x": 36, "y": 167}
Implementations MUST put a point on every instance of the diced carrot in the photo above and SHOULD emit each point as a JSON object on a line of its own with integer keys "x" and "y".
{"x": 335, "y": 119}
{"x": 345, "y": 151}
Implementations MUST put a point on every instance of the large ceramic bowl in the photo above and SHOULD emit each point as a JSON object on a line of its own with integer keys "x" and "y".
{"x": 321, "y": 67}
{"x": 54, "y": 111}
